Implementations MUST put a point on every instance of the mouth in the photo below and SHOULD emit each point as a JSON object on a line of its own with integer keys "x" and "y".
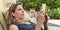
{"x": 22, "y": 14}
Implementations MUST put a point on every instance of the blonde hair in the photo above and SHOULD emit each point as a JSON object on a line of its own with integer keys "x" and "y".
{"x": 26, "y": 17}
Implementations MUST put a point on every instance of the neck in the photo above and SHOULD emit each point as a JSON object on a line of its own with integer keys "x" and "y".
{"x": 19, "y": 21}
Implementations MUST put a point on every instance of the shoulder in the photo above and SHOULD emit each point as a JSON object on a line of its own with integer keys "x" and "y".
{"x": 13, "y": 27}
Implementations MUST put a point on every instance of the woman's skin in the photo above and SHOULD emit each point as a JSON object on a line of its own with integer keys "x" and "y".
{"x": 40, "y": 18}
{"x": 46, "y": 22}
{"x": 19, "y": 15}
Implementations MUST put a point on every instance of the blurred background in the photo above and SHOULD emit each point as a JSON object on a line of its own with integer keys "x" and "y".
{"x": 52, "y": 9}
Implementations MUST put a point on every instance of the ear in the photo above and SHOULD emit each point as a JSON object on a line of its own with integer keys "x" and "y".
{"x": 13, "y": 14}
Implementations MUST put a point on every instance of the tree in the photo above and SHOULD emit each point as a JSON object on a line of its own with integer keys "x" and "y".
{"x": 37, "y": 3}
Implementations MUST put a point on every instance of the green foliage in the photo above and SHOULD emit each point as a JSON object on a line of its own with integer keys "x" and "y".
{"x": 53, "y": 3}
{"x": 30, "y": 4}
{"x": 37, "y": 3}
{"x": 54, "y": 13}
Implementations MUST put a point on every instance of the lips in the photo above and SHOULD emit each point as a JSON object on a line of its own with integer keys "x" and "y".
{"x": 22, "y": 14}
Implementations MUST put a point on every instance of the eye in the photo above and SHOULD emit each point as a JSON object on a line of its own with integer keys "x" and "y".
{"x": 19, "y": 9}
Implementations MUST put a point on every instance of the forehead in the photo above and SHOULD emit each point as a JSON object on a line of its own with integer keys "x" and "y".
{"x": 19, "y": 6}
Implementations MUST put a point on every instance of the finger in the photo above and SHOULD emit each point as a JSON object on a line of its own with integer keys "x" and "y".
{"x": 43, "y": 14}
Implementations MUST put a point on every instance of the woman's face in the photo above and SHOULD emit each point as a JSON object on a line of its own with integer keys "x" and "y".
{"x": 19, "y": 12}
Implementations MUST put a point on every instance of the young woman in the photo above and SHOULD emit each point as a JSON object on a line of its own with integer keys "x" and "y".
{"x": 16, "y": 16}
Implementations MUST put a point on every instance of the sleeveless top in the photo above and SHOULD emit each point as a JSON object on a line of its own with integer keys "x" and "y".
{"x": 27, "y": 26}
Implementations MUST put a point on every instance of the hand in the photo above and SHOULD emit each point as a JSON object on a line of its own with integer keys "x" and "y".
{"x": 40, "y": 20}
{"x": 41, "y": 16}
{"x": 46, "y": 18}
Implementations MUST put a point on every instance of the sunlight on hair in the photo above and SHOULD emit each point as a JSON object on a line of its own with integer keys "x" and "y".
{"x": 26, "y": 17}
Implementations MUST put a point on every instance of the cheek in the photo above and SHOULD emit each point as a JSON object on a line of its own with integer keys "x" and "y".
{"x": 19, "y": 14}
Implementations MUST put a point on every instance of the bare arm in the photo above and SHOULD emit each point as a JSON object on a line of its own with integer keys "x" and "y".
{"x": 46, "y": 22}
{"x": 40, "y": 21}
{"x": 45, "y": 26}
{"x": 13, "y": 27}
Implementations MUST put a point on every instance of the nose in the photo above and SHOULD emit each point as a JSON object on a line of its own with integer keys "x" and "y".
{"x": 22, "y": 11}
